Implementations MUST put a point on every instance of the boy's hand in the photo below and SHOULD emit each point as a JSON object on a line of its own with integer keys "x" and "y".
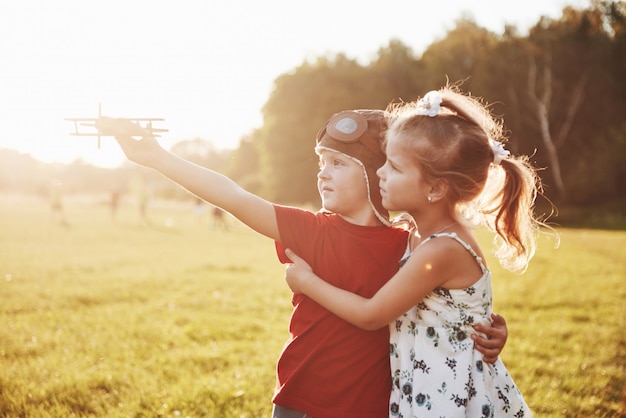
{"x": 497, "y": 334}
{"x": 296, "y": 273}
{"x": 144, "y": 151}
{"x": 120, "y": 127}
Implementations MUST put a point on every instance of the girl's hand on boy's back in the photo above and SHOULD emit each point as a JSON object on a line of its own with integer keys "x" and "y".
{"x": 296, "y": 273}
{"x": 497, "y": 334}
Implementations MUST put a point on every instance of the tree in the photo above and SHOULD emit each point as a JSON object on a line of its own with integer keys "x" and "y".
{"x": 201, "y": 152}
{"x": 397, "y": 73}
{"x": 460, "y": 56}
{"x": 541, "y": 106}
{"x": 244, "y": 165}
{"x": 560, "y": 89}
{"x": 569, "y": 88}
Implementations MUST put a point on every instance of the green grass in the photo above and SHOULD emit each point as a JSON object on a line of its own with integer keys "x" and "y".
{"x": 174, "y": 319}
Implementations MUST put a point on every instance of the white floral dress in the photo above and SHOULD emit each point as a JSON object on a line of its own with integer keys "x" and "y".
{"x": 435, "y": 370}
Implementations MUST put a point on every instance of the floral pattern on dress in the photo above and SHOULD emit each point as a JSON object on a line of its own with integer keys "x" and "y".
{"x": 435, "y": 370}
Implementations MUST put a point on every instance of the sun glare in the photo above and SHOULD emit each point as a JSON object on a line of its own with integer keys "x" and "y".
{"x": 207, "y": 68}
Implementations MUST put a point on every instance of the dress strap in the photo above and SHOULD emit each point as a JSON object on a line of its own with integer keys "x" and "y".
{"x": 468, "y": 247}
{"x": 407, "y": 250}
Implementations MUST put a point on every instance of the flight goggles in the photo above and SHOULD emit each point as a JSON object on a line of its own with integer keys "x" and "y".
{"x": 348, "y": 127}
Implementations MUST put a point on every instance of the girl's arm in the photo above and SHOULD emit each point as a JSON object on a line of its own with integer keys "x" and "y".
{"x": 424, "y": 271}
{"x": 391, "y": 301}
{"x": 207, "y": 184}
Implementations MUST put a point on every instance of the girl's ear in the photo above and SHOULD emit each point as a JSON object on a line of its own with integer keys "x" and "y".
{"x": 438, "y": 190}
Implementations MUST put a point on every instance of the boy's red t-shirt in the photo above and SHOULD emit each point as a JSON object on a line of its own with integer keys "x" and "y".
{"x": 328, "y": 367}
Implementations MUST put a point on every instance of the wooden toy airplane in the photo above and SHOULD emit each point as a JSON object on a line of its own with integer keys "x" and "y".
{"x": 106, "y": 126}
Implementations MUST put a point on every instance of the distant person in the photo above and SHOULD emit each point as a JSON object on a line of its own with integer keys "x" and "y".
{"x": 56, "y": 204}
{"x": 219, "y": 220}
{"x": 199, "y": 209}
{"x": 446, "y": 166}
{"x": 144, "y": 200}
{"x": 328, "y": 368}
{"x": 114, "y": 202}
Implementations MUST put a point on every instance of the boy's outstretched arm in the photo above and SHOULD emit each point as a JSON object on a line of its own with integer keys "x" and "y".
{"x": 497, "y": 334}
{"x": 207, "y": 184}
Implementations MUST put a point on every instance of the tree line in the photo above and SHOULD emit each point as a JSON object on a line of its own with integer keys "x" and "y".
{"x": 561, "y": 90}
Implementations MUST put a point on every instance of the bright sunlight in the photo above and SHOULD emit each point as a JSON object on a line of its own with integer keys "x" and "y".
{"x": 206, "y": 67}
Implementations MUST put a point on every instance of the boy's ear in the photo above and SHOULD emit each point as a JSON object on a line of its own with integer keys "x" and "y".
{"x": 438, "y": 190}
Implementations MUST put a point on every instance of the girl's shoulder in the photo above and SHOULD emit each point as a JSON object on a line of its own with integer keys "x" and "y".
{"x": 461, "y": 242}
{"x": 459, "y": 258}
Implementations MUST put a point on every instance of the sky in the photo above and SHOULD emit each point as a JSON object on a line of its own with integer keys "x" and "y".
{"x": 207, "y": 67}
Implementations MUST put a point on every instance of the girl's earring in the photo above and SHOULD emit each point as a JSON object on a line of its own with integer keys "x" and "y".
{"x": 430, "y": 199}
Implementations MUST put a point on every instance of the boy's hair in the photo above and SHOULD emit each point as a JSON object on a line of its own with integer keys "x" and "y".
{"x": 359, "y": 135}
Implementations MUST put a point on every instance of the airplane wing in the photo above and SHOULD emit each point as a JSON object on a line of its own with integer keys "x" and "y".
{"x": 106, "y": 126}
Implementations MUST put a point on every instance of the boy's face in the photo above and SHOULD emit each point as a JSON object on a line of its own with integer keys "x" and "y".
{"x": 342, "y": 186}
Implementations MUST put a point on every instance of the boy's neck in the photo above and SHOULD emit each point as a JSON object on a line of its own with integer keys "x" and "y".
{"x": 370, "y": 220}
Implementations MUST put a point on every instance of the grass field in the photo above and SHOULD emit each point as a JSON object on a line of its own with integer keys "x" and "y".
{"x": 120, "y": 318}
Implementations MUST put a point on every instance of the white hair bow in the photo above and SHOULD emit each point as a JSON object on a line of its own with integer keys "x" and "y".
{"x": 430, "y": 104}
{"x": 499, "y": 153}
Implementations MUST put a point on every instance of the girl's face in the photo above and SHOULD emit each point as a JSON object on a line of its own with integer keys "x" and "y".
{"x": 402, "y": 185}
{"x": 341, "y": 185}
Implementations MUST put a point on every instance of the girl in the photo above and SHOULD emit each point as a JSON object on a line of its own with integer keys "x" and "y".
{"x": 448, "y": 169}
